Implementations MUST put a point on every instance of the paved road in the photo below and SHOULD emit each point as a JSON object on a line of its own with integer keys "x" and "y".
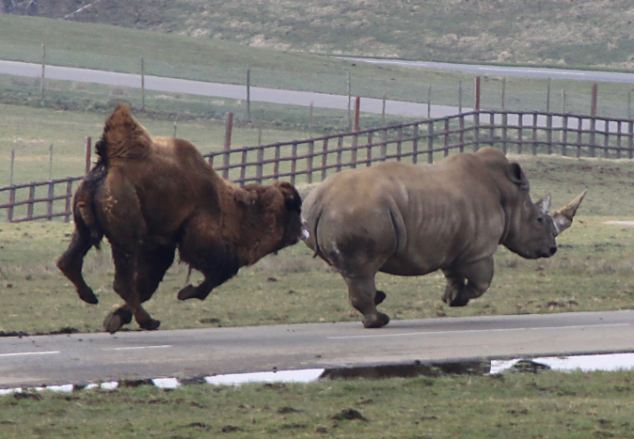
{"x": 84, "y": 358}
{"x": 199, "y": 88}
{"x": 518, "y": 72}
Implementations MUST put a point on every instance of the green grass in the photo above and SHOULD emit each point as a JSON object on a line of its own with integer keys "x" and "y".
{"x": 546, "y": 405}
{"x": 592, "y": 33}
{"x": 592, "y": 271}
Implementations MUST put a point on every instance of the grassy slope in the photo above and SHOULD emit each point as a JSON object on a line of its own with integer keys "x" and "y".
{"x": 583, "y": 33}
{"x": 552, "y": 405}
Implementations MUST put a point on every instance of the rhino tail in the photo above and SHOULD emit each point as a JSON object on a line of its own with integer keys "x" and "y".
{"x": 123, "y": 137}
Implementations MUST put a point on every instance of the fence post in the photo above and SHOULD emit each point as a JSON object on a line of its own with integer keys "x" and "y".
{"x": 50, "y": 161}
{"x": 11, "y": 204}
{"x": 476, "y": 94}
{"x": 459, "y": 96}
{"x": 564, "y": 136}
{"x": 505, "y": 119}
{"x": 69, "y": 197}
{"x": 11, "y": 166}
{"x": 357, "y": 111}
{"x": 227, "y": 145}
{"x": 429, "y": 101}
{"x": 248, "y": 94}
{"x": 563, "y": 100}
{"x": 142, "y": 84}
{"x": 549, "y": 134}
{"x": 593, "y": 121}
{"x": 414, "y": 145}
{"x": 548, "y": 95}
{"x": 503, "y": 98}
{"x": 87, "y": 155}
{"x": 49, "y": 201}
{"x": 630, "y": 136}
{"x": 43, "y": 74}
{"x": 349, "y": 89}
{"x": 446, "y": 136}
{"x": 309, "y": 161}
{"x": 383, "y": 109}
{"x": 430, "y": 142}
{"x": 629, "y": 104}
{"x": 259, "y": 169}
{"x": 324, "y": 158}
{"x": 293, "y": 162}
{"x": 31, "y": 201}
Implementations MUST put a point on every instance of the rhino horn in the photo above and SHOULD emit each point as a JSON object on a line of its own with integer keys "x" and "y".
{"x": 563, "y": 217}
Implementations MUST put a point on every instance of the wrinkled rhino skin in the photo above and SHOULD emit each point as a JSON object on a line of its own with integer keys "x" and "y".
{"x": 412, "y": 220}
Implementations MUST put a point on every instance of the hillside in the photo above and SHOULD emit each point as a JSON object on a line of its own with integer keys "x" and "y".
{"x": 582, "y": 33}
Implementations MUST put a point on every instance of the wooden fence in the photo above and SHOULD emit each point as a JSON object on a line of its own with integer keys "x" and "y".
{"x": 310, "y": 160}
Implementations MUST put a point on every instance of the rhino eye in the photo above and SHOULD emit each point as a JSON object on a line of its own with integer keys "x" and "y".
{"x": 540, "y": 219}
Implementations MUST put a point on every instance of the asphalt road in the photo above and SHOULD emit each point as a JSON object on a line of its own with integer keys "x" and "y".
{"x": 86, "y": 358}
{"x": 517, "y": 72}
{"x": 199, "y": 88}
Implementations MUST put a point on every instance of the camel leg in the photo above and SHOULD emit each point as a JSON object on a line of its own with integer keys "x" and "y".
{"x": 364, "y": 296}
{"x": 153, "y": 262}
{"x": 468, "y": 282}
{"x": 203, "y": 248}
{"x": 72, "y": 261}
{"x": 126, "y": 230}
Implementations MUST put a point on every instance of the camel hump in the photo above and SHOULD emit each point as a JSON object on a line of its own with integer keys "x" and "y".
{"x": 123, "y": 136}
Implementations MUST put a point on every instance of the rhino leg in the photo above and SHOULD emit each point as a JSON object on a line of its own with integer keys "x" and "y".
{"x": 477, "y": 275}
{"x": 364, "y": 297}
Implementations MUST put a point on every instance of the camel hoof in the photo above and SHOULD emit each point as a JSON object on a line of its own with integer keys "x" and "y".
{"x": 88, "y": 296}
{"x": 150, "y": 325}
{"x": 379, "y": 297}
{"x": 116, "y": 319}
{"x": 457, "y": 301}
{"x": 189, "y": 292}
{"x": 378, "y": 322}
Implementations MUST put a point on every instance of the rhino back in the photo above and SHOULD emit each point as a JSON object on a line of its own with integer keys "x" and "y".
{"x": 411, "y": 219}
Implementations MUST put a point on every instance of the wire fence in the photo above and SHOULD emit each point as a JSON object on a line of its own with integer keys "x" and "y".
{"x": 426, "y": 141}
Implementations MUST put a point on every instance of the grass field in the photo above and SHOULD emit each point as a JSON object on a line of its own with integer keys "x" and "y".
{"x": 120, "y": 49}
{"x": 588, "y": 33}
{"x": 545, "y": 405}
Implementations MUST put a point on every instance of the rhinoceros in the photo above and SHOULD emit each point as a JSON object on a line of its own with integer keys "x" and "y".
{"x": 411, "y": 220}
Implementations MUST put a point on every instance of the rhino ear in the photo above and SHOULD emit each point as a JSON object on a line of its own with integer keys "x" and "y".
{"x": 515, "y": 173}
{"x": 544, "y": 204}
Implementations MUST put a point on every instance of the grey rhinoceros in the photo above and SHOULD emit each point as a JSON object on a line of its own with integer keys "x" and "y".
{"x": 411, "y": 220}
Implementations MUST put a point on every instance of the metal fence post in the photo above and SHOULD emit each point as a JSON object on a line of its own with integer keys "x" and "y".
{"x": 227, "y": 145}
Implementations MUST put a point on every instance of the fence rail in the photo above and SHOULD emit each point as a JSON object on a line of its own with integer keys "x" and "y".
{"x": 314, "y": 159}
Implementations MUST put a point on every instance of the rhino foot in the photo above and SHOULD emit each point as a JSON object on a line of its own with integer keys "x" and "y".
{"x": 116, "y": 319}
{"x": 379, "y": 297}
{"x": 377, "y": 322}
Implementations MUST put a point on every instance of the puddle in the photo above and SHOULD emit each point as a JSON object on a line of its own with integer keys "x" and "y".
{"x": 584, "y": 363}
{"x": 282, "y": 376}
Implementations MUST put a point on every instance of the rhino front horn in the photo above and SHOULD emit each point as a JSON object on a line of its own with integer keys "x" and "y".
{"x": 563, "y": 217}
